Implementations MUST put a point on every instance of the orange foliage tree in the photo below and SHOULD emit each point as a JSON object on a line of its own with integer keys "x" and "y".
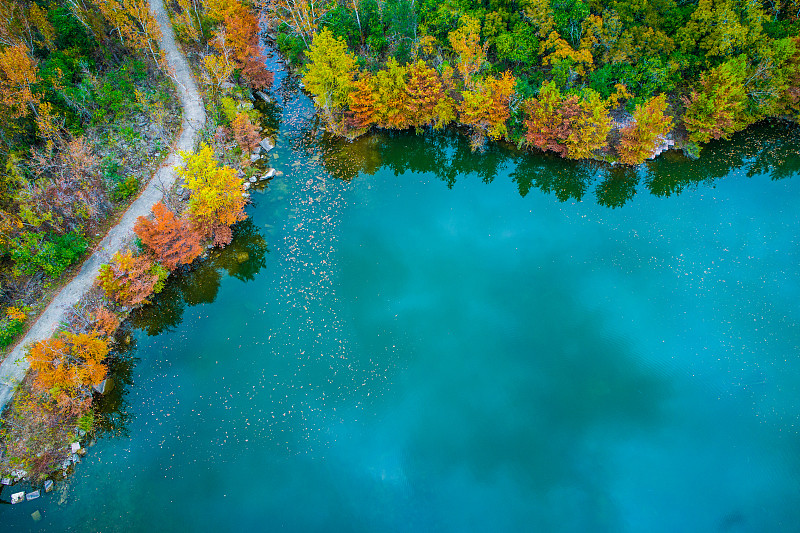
{"x": 238, "y": 38}
{"x": 68, "y": 362}
{"x": 129, "y": 280}
{"x": 362, "y": 102}
{"x": 105, "y": 321}
{"x": 173, "y": 240}
{"x": 640, "y": 138}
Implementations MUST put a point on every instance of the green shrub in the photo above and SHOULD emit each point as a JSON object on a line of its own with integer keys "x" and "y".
{"x": 125, "y": 189}
{"x": 49, "y": 253}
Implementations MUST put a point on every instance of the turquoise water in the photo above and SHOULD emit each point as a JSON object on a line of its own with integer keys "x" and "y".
{"x": 408, "y": 337}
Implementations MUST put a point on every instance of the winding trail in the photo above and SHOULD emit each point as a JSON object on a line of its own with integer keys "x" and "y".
{"x": 14, "y": 367}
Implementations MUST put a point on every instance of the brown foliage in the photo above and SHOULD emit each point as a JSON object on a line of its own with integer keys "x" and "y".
{"x": 128, "y": 280}
{"x": 105, "y": 321}
{"x": 245, "y": 133}
{"x": 173, "y": 240}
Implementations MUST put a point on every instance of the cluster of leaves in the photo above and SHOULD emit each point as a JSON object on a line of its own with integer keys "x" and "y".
{"x": 130, "y": 280}
{"x": 217, "y": 198}
{"x": 63, "y": 68}
{"x": 232, "y": 30}
{"x": 723, "y": 64}
{"x": 173, "y": 240}
{"x": 11, "y": 325}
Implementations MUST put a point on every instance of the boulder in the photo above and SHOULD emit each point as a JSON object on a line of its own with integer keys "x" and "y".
{"x": 36, "y": 515}
{"x": 75, "y": 446}
{"x": 262, "y": 95}
{"x": 246, "y": 185}
{"x": 6, "y": 481}
{"x": 32, "y": 495}
{"x": 17, "y": 497}
{"x": 104, "y": 386}
{"x": 48, "y": 485}
{"x": 253, "y": 179}
{"x": 266, "y": 145}
{"x": 270, "y": 173}
{"x": 254, "y": 157}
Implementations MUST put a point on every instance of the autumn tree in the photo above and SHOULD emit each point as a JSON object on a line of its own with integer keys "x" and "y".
{"x": 486, "y": 107}
{"x": 173, "y": 240}
{"x": 362, "y": 103}
{"x": 18, "y": 73}
{"x": 428, "y": 104}
{"x": 129, "y": 280}
{"x": 105, "y": 321}
{"x": 217, "y": 195}
{"x": 640, "y": 138}
{"x": 67, "y": 363}
{"x": 466, "y": 43}
{"x": 237, "y": 39}
{"x": 571, "y": 126}
{"x": 389, "y": 92}
{"x": 329, "y": 74}
{"x": 717, "y": 108}
{"x": 246, "y": 134}
{"x": 136, "y": 26}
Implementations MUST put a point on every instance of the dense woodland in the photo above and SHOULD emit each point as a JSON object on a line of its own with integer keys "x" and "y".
{"x": 603, "y": 79}
{"x": 79, "y": 84}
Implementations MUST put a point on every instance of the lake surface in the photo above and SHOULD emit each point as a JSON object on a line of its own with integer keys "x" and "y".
{"x": 406, "y": 336}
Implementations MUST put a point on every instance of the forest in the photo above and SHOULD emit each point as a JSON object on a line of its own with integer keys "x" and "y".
{"x": 89, "y": 112}
{"x": 613, "y": 80}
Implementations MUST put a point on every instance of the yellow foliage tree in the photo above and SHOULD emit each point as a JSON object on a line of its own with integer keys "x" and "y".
{"x": 217, "y": 200}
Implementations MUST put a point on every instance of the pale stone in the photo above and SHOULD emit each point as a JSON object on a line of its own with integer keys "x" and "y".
{"x": 266, "y": 145}
{"x": 48, "y": 485}
{"x": 75, "y": 446}
{"x": 36, "y": 515}
{"x": 18, "y": 497}
{"x": 32, "y": 495}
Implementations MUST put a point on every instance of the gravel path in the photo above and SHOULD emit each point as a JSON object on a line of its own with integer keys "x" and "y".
{"x": 14, "y": 367}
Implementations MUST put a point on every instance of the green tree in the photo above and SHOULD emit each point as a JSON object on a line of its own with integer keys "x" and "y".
{"x": 330, "y": 74}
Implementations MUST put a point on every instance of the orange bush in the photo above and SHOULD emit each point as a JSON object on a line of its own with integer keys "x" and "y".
{"x": 65, "y": 364}
{"x": 172, "y": 239}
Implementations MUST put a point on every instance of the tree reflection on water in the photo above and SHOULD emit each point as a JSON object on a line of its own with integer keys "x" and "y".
{"x": 769, "y": 149}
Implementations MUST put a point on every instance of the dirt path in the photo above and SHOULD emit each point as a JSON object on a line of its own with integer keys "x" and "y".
{"x": 14, "y": 367}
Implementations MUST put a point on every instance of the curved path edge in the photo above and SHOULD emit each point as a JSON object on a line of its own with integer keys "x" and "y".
{"x": 15, "y": 365}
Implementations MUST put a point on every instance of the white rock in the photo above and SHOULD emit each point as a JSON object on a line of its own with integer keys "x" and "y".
{"x": 48, "y": 485}
{"x": 254, "y": 157}
{"x": 253, "y": 179}
{"x": 6, "y": 481}
{"x": 269, "y": 174}
{"x": 18, "y": 497}
{"x": 75, "y": 446}
{"x": 262, "y": 95}
{"x": 246, "y": 185}
{"x": 32, "y": 495}
{"x": 266, "y": 145}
